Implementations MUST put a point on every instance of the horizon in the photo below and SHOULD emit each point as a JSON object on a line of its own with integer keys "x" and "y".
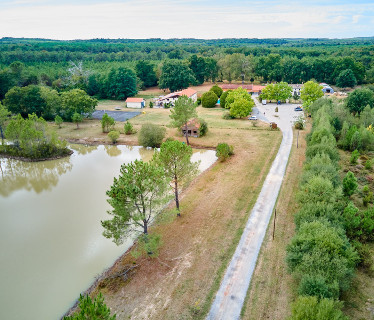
{"x": 180, "y": 19}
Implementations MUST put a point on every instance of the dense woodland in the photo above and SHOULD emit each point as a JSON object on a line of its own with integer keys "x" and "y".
{"x": 100, "y": 66}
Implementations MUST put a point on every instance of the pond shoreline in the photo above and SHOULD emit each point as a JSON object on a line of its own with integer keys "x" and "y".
{"x": 7, "y": 156}
{"x": 95, "y": 142}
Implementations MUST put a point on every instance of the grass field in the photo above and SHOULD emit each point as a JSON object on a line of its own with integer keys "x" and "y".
{"x": 198, "y": 246}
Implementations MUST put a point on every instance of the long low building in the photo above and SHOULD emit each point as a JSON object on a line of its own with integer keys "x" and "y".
{"x": 251, "y": 88}
{"x": 170, "y": 98}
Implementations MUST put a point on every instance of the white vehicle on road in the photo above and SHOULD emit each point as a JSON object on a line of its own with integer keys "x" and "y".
{"x": 252, "y": 118}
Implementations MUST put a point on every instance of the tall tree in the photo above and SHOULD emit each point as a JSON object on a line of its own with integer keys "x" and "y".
{"x": 346, "y": 78}
{"x": 121, "y": 83}
{"x": 175, "y": 158}
{"x": 175, "y": 75}
{"x": 135, "y": 196}
{"x": 310, "y": 92}
{"x": 145, "y": 71}
{"x": 359, "y": 99}
{"x": 77, "y": 101}
{"x": 198, "y": 67}
{"x": 184, "y": 110}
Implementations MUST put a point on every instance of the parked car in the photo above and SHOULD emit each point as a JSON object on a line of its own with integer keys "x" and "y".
{"x": 252, "y": 118}
{"x": 298, "y": 109}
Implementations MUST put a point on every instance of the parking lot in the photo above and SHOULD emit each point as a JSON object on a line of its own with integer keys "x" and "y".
{"x": 116, "y": 115}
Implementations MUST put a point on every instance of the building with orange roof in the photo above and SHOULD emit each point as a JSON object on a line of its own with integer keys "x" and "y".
{"x": 251, "y": 88}
{"x": 137, "y": 103}
{"x": 170, "y": 98}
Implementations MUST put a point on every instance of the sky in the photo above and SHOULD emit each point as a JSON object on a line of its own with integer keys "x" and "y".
{"x": 204, "y": 19}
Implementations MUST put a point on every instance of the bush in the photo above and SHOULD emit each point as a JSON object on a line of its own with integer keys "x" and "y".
{"x": 354, "y": 156}
{"x": 322, "y": 251}
{"x": 365, "y": 255}
{"x": 359, "y": 225}
{"x": 148, "y": 244}
{"x": 151, "y": 104}
{"x": 77, "y": 118}
{"x": 58, "y": 121}
{"x": 151, "y": 135}
{"x": 224, "y": 151}
{"x": 107, "y": 123}
{"x": 227, "y": 116}
{"x": 113, "y": 135}
{"x": 222, "y": 100}
{"x": 276, "y": 109}
{"x": 299, "y": 123}
{"x": 128, "y": 128}
{"x": 209, "y": 99}
{"x": 315, "y": 285}
{"x": 349, "y": 184}
{"x": 217, "y": 90}
{"x": 203, "y": 127}
{"x": 198, "y": 101}
{"x": 311, "y": 308}
{"x": 89, "y": 309}
{"x": 368, "y": 165}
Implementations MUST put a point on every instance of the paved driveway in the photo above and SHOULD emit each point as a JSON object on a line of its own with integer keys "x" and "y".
{"x": 230, "y": 297}
{"x": 116, "y": 115}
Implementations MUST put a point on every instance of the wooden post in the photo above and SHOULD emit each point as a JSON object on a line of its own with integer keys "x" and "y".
{"x": 275, "y": 216}
{"x": 297, "y": 145}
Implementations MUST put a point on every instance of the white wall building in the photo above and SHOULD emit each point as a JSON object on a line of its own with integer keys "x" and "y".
{"x": 136, "y": 103}
{"x": 172, "y": 97}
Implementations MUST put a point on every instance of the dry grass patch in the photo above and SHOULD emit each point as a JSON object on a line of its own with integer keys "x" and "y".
{"x": 271, "y": 290}
{"x": 198, "y": 246}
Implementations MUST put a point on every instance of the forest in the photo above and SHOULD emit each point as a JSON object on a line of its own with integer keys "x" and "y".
{"x": 93, "y": 65}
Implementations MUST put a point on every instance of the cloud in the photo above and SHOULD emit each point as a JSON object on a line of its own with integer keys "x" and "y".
{"x": 181, "y": 18}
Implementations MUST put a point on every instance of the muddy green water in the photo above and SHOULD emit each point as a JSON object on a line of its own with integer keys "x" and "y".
{"x": 51, "y": 246}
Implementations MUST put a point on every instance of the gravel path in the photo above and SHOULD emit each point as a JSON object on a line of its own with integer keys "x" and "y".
{"x": 232, "y": 292}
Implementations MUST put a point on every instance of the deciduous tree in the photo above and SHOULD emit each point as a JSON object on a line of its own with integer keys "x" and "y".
{"x": 310, "y": 92}
{"x": 184, "y": 110}
{"x": 175, "y": 75}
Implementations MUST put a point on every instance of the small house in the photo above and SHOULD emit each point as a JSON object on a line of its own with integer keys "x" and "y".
{"x": 170, "y": 98}
{"x": 136, "y": 103}
{"x": 296, "y": 88}
{"x": 193, "y": 128}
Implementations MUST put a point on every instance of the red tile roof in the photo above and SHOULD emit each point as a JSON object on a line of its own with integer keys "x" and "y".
{"x": 248, "y": 87}
{"x": 134, "y": 100}
{"x": 188, "y": 92}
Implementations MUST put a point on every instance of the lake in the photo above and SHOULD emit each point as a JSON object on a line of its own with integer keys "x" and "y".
{"x": 51, "y": 243}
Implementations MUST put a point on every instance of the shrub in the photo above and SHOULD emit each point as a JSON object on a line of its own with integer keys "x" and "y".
{"x": 217, "y": 90}
{"x": 315, "y": 285}
{"x": 128, "y": 128}
{"x": 359, "y": 225}
{"x": 368, "y": 165}
{"x": 276, "y": 109}
{"x": 227, "y": 116}
{"x": 148, "y": 244}
{"x": 113, "y": 135}
{"x": 224, "y": 151}
{"x": 77, "y": 118}
{"x": 150, "y": 104}
{"x": 107, "y": 123}
{"x": 365, "y": 255}
{"x": 58, "y": 121}
{"x": 354, "y": 156}
{"x": 312, "y": 308}
{"x": 198, "y": 101}
{"x": 203, "y": 127}
{"x": 209, "y": 99}
{"x": 349, "y": 184}
{"x": 151, "y": 135}
{"x": 89, "y": 309}
{"x": 299, "y": 123}
{"x": 222, "y": 100}
{"x": 368, "y": 196}
{"x": 319, "y": 249}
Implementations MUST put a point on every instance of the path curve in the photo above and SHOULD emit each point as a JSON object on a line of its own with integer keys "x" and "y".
{"x": 230, "y": 297}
